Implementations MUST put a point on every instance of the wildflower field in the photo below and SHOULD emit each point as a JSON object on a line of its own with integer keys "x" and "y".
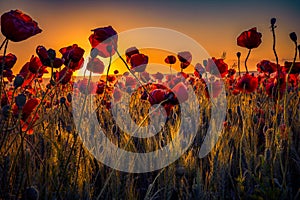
{"x": 43, "y": 140}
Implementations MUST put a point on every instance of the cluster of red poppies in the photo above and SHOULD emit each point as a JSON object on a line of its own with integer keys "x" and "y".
{"x": 273, "y": 79}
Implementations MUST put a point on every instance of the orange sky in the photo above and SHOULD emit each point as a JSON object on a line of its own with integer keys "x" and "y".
{"x": 215, "y": 25}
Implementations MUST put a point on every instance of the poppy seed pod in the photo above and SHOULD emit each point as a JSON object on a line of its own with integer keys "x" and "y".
{"x": 19, "y": 80}
{"x": 273, "y": 21}
{"x": 69, "y": 97}
{"x": 51, "y": 54}
{"x": 5, "y": 111}
{"x": 238, "y": 54}
{"x": 20, "y": 100}
{"x": 293, "y": 37}
{"x": 62, "y": 100}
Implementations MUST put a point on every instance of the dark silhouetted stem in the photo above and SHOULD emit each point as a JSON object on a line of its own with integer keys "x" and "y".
{"x": 239, "y": 65}
{"x": 274, "y": 45}
{"x": 5, "y": 43}
{"x": 247, "y": 60}
{"x": 5, "y": 40}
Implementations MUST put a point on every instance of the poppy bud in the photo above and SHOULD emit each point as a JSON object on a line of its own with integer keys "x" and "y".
{"x": 62, "y": 100}
{"x": 293, "y": 37}
{"x": 31, "y": 193}
{"x": 238, "y": 54}
{"x": 180, "y": 171}
{"x": 20, "y": 100}
{"x": 204, "y": 63}
{"x": 273, "y": 21}
{"x": 68, "y": 128}
{"x": 5, "y": 111}
{"x": 19, "y": 80}
{"x": 94, "y": 52}
{"x": 51, "y": 54}
{"x": 69, "y": 97}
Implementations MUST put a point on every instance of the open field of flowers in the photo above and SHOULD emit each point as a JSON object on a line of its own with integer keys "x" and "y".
{"x": 42, "y": 155}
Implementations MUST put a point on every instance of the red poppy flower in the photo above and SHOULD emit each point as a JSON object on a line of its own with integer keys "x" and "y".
{"x": 159, "y": 76}
{"x": 130, "y": 81}
{"x": 217, "y": 66}
{"x": 76, "y": 65}
{"x": 235, "y": 92}
{"x": 249, "y": 39}
{"x": 8, "y": 74}
{"x": 231, "y": 72}
{"x": 185, "y": 57}
{"x": 17, "y": 26}
{"x": 48, "y": 57}
{"x": 100, "y": 87}
{"x": 35, "y": 64}
{"x": 43, "y": 70}
{"x": 86, "y": 87}
{"x": 64, "y": 76}
{"x": 145, "y": 76}
{"x": 247, "y": 83}
{"x": 26, "y": 73}
{"x": 157, "y": 96}
{"x": 293, "y": 80}
{"x": 9, "y": 61}
{"x": 27, "y": 125}
{"x": 72, "y": 53}
{"x": 213, "y": 89}
{"x": 180, "y": 91}
{"x": 170, "y": 59}
{"x": 111, "y": 78}
{"x": 4, "y": 100}
{"x": 95, "y": 65}
{"x": 43, "y": 55}
{"x": 57, "y": 63}
{"x": 199, "y": 68}
{"x": 272, "y": 89}
{"x": 295, "y": 69}
{"x": 104, "y": 40}
{"x": 138, "y": 62}
{"x": 131, "y": 51}
{"x": 266, "y": 66}
{"x": 273, "y": 84}
{"x": 182, "y": 75}
{"x": 117, "y": 94}
{"x": 197, "y": 74}
{"x": 29, "y": 107}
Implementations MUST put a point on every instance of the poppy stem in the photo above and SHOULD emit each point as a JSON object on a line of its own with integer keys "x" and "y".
{"x": 274, "y": 45}
{"x": 108, "y": 68}
{"x": 106, "y": 79}
{"x": 2, "y": 65}
{"x": 3, "y": 43}
{"x": 239, "y": 65}
{"x": 247, "y": 60}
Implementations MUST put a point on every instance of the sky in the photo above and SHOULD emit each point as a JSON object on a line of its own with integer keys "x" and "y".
{"x": 214, "y": 24}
